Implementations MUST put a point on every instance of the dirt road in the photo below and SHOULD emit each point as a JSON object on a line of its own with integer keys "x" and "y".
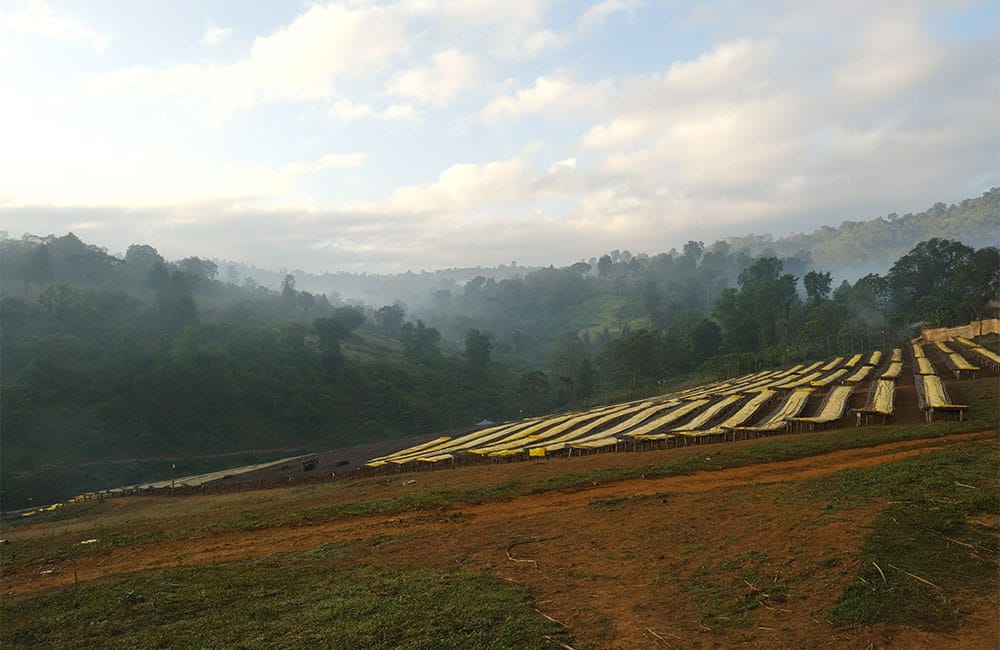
{"x": 631, "y": 564}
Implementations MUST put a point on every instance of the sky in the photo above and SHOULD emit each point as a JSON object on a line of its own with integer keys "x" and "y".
{"x": 424, "y": 134}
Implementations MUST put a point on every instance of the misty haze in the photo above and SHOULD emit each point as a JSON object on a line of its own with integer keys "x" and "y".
{"x": 459, "y": 324}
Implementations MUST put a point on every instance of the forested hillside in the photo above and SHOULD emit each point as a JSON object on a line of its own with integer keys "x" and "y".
{"x": 849, "y": 251}
{"x": 869, "y": 246}
{"x": 110, "y": 358}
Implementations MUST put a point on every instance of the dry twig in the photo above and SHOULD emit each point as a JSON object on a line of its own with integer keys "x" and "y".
{"x": 559, "y": 643}
{"x": 879, "y": 571}
{"x": 650, "y": 630}
{"x": 557, "y": 622}
{"x": 915, "y": 577}
{"x": 514, "y": 559}
{"x": 960, "y": 543}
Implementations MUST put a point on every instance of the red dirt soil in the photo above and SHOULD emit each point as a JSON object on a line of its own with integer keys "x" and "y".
{"x": 644, "y": 572}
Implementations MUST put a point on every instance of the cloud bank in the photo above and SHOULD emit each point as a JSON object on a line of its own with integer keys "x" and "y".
{"x": 419, "y": 134}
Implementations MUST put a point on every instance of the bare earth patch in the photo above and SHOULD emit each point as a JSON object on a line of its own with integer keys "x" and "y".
{"x": 706, "y": 560}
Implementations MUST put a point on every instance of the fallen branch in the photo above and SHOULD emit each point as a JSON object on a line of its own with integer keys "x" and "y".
{"x": 557, "y": 622}
{"x": 514, "y": 559}
{"x": 971, "y": 487}
{"x": 960, "y": 543}
{"x": 879, "y": 571}
{"x": 650, "y": 630}
{"x": 915, "y": 577}
{"x": 559, "y": 643}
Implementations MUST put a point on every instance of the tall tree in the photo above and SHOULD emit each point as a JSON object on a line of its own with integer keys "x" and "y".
{"x": 533, "y": 392}
{"x": 176, "y": 303}
{"x": 389, "y": 319}
{"x": 817, "y": 286}
{"x": 477, "y": 349}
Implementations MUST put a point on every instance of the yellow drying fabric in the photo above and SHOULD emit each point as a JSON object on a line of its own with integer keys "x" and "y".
{"x": 415, "y": 448}
{"x": 435, "y": 459}
{"x": 941, "y": 345}
{"x": 860, "y": 374}
{"x": 791, "y": 371}
{"x": 897, "y": 355}
{"x": 832, "y": 377}
{"x": 464, "y": 442}
{"x": 745, "y": 413}
{"x": 960, "y": 362}
{"x": 893, "y": 371}
{"x": 833, "y": 407}
{"x": 792, "y": 406}
{"x": 544, "y": 429}
{"x": 705, "y": 416}
{"x": 918, "y": 351}
{"x": 667, "y": 418}
{"x": 935, "y": 394}
{"x": 800, "y": 381}
{"x": 833, "y": 364}
{"x": 581, "y": 431}
{"x": 853, "y": 361}
{"x": 875, "y": 358}
{"x": 641, "y": 417}
{"x": 882, "y": 401}
{"x": 596, "y": 444}
{"x": 925, "y": 367}
{"x": 989, "y": 354}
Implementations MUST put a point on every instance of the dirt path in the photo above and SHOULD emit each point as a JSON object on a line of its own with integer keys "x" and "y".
{"x": 634, "y": 573}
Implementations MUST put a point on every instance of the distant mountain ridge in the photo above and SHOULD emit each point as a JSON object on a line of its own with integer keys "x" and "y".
{"x": 870, "y": 246}
{"x": 852, "y": 250}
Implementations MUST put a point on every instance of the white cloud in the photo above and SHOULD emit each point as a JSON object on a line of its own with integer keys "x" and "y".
{"x": 401, "y": 112}
{"x": 449, "y": 73}
{"x": 93, "y": 172}
{"x": 38, "y": 18}
{"x": 215, "y": 35}
{"x": 618, "y": 132}
{"x": 806, "y": 117}
{"x": 465, "y": 186}
{"x": 596, "y": 15}
{"x": 301, "y": 61}
{"x": 345, "y": 110}
{"x": 553, "y": 95}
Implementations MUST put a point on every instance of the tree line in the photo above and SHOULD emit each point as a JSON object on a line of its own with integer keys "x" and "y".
{"x": 110, "y": 357}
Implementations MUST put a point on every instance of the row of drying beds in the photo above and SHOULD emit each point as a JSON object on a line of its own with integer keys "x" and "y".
{"x": 981, "y": 354}
{"x": 932, "y": 396}
{"x": 682, "y": 417}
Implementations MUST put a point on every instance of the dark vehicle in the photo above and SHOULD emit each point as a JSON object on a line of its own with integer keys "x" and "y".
{"x": 309, "y": 465}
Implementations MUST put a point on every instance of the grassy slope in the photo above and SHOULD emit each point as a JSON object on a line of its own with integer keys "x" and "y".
{"x": 315, "y": 598}
{"x": 927, "y": 532}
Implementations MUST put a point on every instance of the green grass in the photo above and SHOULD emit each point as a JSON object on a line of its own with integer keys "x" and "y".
{"x": 621, "y": 503}
{"x": 980, "y": 394}
{"x": 727, "y": 595}
{"x": 929, "y": 533}
{"x": 317, "y": 598}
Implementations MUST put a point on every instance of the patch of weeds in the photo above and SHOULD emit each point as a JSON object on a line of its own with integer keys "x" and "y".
{"x": 607, "y": 503}
{"x": 603, "y": 629}
{"x": 728, "y": 594}
{"x": 924, "y": 562}
{"x": 617, "y": 503}
{"x": 291, "y": 600}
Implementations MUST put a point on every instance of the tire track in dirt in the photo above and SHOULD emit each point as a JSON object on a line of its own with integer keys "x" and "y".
{"x": 228, "y": 546}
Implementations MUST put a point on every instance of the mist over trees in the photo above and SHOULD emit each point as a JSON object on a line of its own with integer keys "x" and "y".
{"x": 111, "y": 357}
